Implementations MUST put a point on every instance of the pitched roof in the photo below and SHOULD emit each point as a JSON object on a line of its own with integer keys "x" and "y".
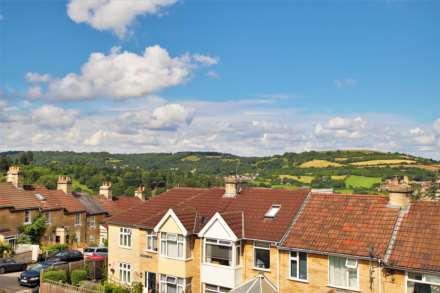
{"x": 417, "y": 245}
{"x": 88, "y": 201}
{"x": 117, "y": 205}
{"x": 253, "y": 203}
{"x": 19, "y": 199}
{"x": 344, "y": 224}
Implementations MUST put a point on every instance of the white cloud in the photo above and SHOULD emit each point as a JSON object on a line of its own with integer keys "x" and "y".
{"x": 437, "y": 126}
{"x": 341, "y": 127}
{"x": 348, "y": 82}
{"x": 97, "y": 138}
{"x": 205, "y": 59}
{"x": 113, "y": 15}
{"x": 120, "y": 74}
{"x": 213, "y": 74}
{"x": 35, "y": 77}
{"x": 53, "y": 117}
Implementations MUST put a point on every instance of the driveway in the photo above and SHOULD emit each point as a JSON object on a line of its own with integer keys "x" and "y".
{"x": 9, "y": 284}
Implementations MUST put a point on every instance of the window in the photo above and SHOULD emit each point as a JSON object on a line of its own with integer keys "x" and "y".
{"x": 218, "y": 252}
{"x": 150, "y": 282}
{"x": 47, "y": 216}
{"x": 237, "y": 254}
{"x": 151, "y": 241}
{"x": 125, "y": 237}
{"x": 262, "y": 255}
{"x": 298, "y": 265}
{"x": 422, "y": 283}
{"x": 27, "y": 217}
{"x": 343, "y": 272}
{"x": 170, "y": 284}
{"x": 171, "y": 245}
{"x": 215, "y": 289}
{"x": 78, "y": 219}
{"x": 92, "y": 221}
{"x": 125, "y": 273}
{"x": 273, "y": 211}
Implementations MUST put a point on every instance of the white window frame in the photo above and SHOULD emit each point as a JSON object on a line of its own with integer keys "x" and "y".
{"x": 255, "y": 258}
{"x": 357, "y": 288}
{"x": 219, "y": 242}
{"x": 48, "y": 217}
{"x": 164, "y": 281}
{"x": 78, "y": 219}
{"x": 125, "y": 273}
{"x": 297, "y": 259}
{"x": 423, "y": 281}
{"x": 27, "y": 217}
{"x": 151, "y": 240}
{"x": 92, "y": 221}
{"x": 217, "y": 290}
{"x": 180, "y": 239}
{"x": 125, "y": 237}
{"x": 273, "y": 211}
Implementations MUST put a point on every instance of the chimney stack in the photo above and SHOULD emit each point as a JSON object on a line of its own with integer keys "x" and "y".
{"x": 400, "y": 193}
{"x": 234, "y": 184}
{"x": 105, "y": 190}
{"x": 65, "y": 184}
{"x": 139, "y": 192}
{"x": 15, "y": 177}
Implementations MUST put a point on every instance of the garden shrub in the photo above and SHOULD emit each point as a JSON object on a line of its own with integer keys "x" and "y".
{"x": 55, "y": 275}
{"x": 77, "y": 276}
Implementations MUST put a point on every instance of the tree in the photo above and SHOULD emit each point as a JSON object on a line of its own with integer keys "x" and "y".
{"x": 5, "y": 249}
{"x": 35, "y": 230}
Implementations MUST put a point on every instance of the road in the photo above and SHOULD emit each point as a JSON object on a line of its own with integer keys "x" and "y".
{"x": 9, "y": 284}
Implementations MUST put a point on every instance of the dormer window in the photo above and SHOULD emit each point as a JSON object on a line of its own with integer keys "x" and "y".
{"x": 273, "y": 211}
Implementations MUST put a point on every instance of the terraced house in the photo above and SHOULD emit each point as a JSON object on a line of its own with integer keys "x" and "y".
{"x": 240, "y": 239}
{"x": 20, "y": 205}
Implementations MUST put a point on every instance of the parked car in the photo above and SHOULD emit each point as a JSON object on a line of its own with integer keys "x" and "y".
{"x": 101, "y": 251}
{"x": 8, "y": 265}
{"x": 31, "y": 277}
{"x": 67, "y": 256}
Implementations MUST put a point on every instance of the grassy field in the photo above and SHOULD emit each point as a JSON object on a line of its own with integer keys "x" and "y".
{"x": 191, "y": 158}
{"x": 319, "y": 164}
{"x": 361, "y": 181}
{"x": 303, "y": 179}
{"x": 339, "y": 177}
{"x": 383, "y": 162}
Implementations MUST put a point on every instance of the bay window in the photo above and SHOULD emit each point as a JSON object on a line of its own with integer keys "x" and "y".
{"x": 343, "y": 272}
{"x": 262, "y": 255}
{"x": 125, "y": 273}
{"x": 215, "y": 289}
{"x": 417, "y": 282}
{"x": 171, "y": 245}
{"x": 298, "y": 265}
{"x": 125, "y": 237}
{"x": 218, "y": 252}
{"x": 171, "y": 284}
{"x": 151, "y": 241}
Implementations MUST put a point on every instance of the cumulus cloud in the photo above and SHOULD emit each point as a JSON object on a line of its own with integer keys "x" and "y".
{"x": 342, "y": 83}
{"x": 437, "y": 126}
{"x": 166, "y": 117}
{"x": 113, "y": 15}
{"x": 119, "y": 75}
{"x": 341, "y": 127}
{"x": 54, "y": 117}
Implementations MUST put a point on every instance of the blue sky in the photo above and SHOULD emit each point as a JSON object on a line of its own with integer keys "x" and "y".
{"x": 275, "y": 76}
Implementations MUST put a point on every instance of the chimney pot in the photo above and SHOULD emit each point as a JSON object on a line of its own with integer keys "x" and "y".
{"x": 234, "y": 184}
{"x": 15, "y": 176}
{"x": 139, "y": 192}
{"x": 65, "y": 184}
{"x": 400, "y": 193}
{"x": 105, "y": 190}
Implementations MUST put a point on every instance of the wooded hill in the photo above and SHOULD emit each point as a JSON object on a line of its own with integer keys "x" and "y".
{"x": 346, "y": 171}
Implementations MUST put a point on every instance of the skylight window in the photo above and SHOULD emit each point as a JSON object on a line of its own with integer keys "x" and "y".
{"x": 39, "y": 196}
{"x": 273, "y": 211}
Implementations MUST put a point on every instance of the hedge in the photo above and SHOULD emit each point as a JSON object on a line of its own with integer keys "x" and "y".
{"x": 76, "y": 276}
{"x": 55, "y": 275}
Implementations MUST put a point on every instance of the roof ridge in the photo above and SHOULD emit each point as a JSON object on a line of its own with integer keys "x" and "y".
{"x": 393, "y": 237}
{"x": 295, "y": 218}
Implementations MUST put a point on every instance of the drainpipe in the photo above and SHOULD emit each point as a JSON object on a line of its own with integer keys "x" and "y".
{"x": 278, "y": 269}
{"x": 380, "y": 276}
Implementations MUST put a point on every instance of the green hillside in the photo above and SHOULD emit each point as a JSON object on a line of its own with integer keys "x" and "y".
{"x": 346, "y": 171}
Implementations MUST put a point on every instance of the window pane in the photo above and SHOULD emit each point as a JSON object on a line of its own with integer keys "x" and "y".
{"x": 293, "y": 269}
{"x": 432, "y": 279}
{"x": 302, "y": 266}
{"x": 237, "y": 255}
{"x": 352, "y": 278}
{"x": 218, "y": 254}
{"x": 337, "y": 271}
{"x": 180, "y": 250}
{"x": 262, "y": 258}
{"x": 172, "y": 250}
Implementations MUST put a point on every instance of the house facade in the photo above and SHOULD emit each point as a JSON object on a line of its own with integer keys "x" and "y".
{"x": 221, "y": 239}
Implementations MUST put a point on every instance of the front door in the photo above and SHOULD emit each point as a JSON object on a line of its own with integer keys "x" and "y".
{"x": 150, "y": 282}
